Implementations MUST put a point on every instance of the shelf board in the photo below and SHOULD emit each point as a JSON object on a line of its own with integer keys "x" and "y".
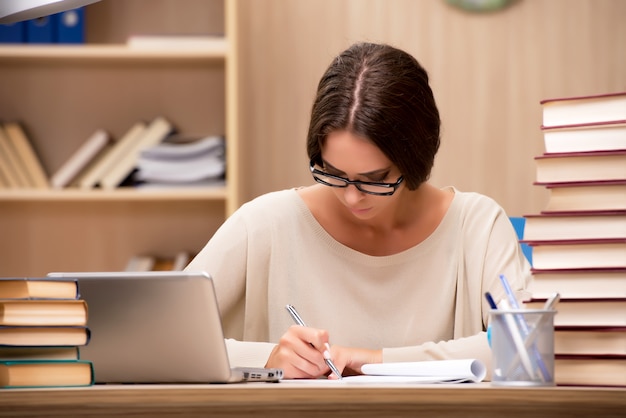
{"x": 217, "y": 50}
{"x": 121, "y": 194}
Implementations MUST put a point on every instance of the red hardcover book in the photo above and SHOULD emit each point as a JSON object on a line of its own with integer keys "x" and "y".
{"x": 578, "y": 283}
{"x": 605, "y": 196}
{"x": 580, "y": 340}
{"x": 584, "y": 109}
{"x": 575, "y": 226}
{"x": 586, "y": 137}
{"x": 590, "y": 370}
{"x": 579, "y": 254}
{"x": 581, "y": 166}
{"x": 586, "y": 312}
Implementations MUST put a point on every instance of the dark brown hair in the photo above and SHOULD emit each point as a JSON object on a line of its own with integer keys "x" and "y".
{"x": 380, "y": 93}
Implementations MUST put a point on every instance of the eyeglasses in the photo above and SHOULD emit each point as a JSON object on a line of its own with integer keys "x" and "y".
{"x": 375, "y": 188}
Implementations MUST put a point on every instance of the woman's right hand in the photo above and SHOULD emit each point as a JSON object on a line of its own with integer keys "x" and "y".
{"x": 300, "y": 353}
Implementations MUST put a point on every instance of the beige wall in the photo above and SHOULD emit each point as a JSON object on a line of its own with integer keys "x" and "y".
{"x": 488, "y": 72}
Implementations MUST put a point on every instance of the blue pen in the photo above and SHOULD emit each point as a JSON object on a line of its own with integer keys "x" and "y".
{"x": 492, "y": 303}
{"x": 494, "y": 306}
{"x": 524, "y": 327}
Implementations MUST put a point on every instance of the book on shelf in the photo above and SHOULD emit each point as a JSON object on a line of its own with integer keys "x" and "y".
{"x": 140, "y": 262}
{"x": 44, "y": 336}
{"x": 46, "y": 373}
{"x": 176, "y": 41}
{"x": 584, "y": 109}
{"x": 92, "y": 175}
{"x": 590, "y": 370}
{"x": 579, "y": 283}
{"x": 81, "y": 157}
{"x": 179, "y": 147}
{"x": 587, "y": 340}
{"x": 590, "y": 137}
{"x": 43, "y": 312}
{"x": 174, "y": 263}
{"x": 586, "y": 312}
{"x": 191, "y": 170}
{"x": 577, "y": 167}
{"x": 578, "y": 254}
{"x": 181, "y": 259}
{"x": 575, "y": 225}
{"x": 29, "y": 161}
{"x": 34, "y": 288}
{"x": 87, "y": 176}
{"x": 608, "y": 196}
{"x": 9, "y": 163}
{"x": 15, "y": 353}
{"x": 154, "y": 133}
{"x": 158, "y": 263}
{"x": 204, "y": 185}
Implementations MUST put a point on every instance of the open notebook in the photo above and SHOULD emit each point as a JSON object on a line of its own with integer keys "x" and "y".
{"x": 157, "y": 327}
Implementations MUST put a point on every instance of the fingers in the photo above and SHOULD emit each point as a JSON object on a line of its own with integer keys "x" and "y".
{"x": 300, "y": 353}
{"x": 350, "y": 360}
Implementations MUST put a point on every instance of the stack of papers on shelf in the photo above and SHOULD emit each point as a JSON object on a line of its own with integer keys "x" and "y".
{"x": 172, "y": 163}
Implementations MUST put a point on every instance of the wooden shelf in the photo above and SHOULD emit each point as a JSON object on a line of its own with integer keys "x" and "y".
{"x": 216, "y": 51}
{"x": 120, "y": 194}
{"x": 63, "y": 93}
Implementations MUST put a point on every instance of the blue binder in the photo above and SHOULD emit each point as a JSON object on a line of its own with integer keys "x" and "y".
{"x": 41, "y": 30}
{"x": 12, "y": 33}
{"x": 71, "y": 26}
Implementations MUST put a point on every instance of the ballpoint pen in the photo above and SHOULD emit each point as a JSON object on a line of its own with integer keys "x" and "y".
{"x": 515, "y": 334}
{"x": 296, "y": 317}
{"x": 523, "y": 326}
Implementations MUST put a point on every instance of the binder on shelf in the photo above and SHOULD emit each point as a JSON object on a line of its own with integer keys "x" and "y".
{"x": 12, "y": 33}
{"x": 41, "y": 30}
{"x": 70, "y": 26}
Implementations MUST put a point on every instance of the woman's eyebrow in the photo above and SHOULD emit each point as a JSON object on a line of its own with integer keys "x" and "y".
{"x": 369, "y": 173}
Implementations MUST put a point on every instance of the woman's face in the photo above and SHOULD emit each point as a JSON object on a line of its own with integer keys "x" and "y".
{"x": 356, "y": 158}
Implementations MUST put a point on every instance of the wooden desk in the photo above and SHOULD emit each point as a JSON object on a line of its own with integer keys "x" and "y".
{"x": 303, "y": 400}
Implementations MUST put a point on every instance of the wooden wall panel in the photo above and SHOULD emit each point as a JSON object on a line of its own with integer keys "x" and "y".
{"x": 488, "y": 71}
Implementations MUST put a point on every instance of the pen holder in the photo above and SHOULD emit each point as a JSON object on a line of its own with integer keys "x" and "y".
{"x": 522, "y": 345}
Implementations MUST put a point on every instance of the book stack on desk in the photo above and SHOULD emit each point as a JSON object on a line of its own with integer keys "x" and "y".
{"x": 579, "y": 240}
{"x": 42, "y": 324}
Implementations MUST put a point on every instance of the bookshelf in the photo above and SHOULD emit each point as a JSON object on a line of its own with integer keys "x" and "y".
{"x": 62, "y": 93}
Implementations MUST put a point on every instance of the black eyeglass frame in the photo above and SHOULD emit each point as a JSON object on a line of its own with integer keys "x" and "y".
{"x": 356, "y": 183}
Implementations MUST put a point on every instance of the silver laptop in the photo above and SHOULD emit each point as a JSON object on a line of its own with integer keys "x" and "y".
{"x": 157, "y": 327}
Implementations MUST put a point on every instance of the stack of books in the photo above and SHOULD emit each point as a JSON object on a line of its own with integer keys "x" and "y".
{"x": 42, "y": 324}
{"x": 183, "y": 161}
{"x": 579, "y": 240}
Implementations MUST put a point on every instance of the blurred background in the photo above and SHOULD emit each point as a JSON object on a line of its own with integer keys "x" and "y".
{"x": 254, "y": 83}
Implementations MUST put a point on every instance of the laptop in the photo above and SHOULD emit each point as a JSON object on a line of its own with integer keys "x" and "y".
{"x": 157, "y": 327}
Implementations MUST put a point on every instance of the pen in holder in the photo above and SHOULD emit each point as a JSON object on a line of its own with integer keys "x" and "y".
{"x": 522, "y": 357}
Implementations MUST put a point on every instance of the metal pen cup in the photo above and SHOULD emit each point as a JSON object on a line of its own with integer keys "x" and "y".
{"x": 522, "y": 345}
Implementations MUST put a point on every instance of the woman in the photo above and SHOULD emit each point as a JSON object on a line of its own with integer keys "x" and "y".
{"x": 379, "y": 263}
